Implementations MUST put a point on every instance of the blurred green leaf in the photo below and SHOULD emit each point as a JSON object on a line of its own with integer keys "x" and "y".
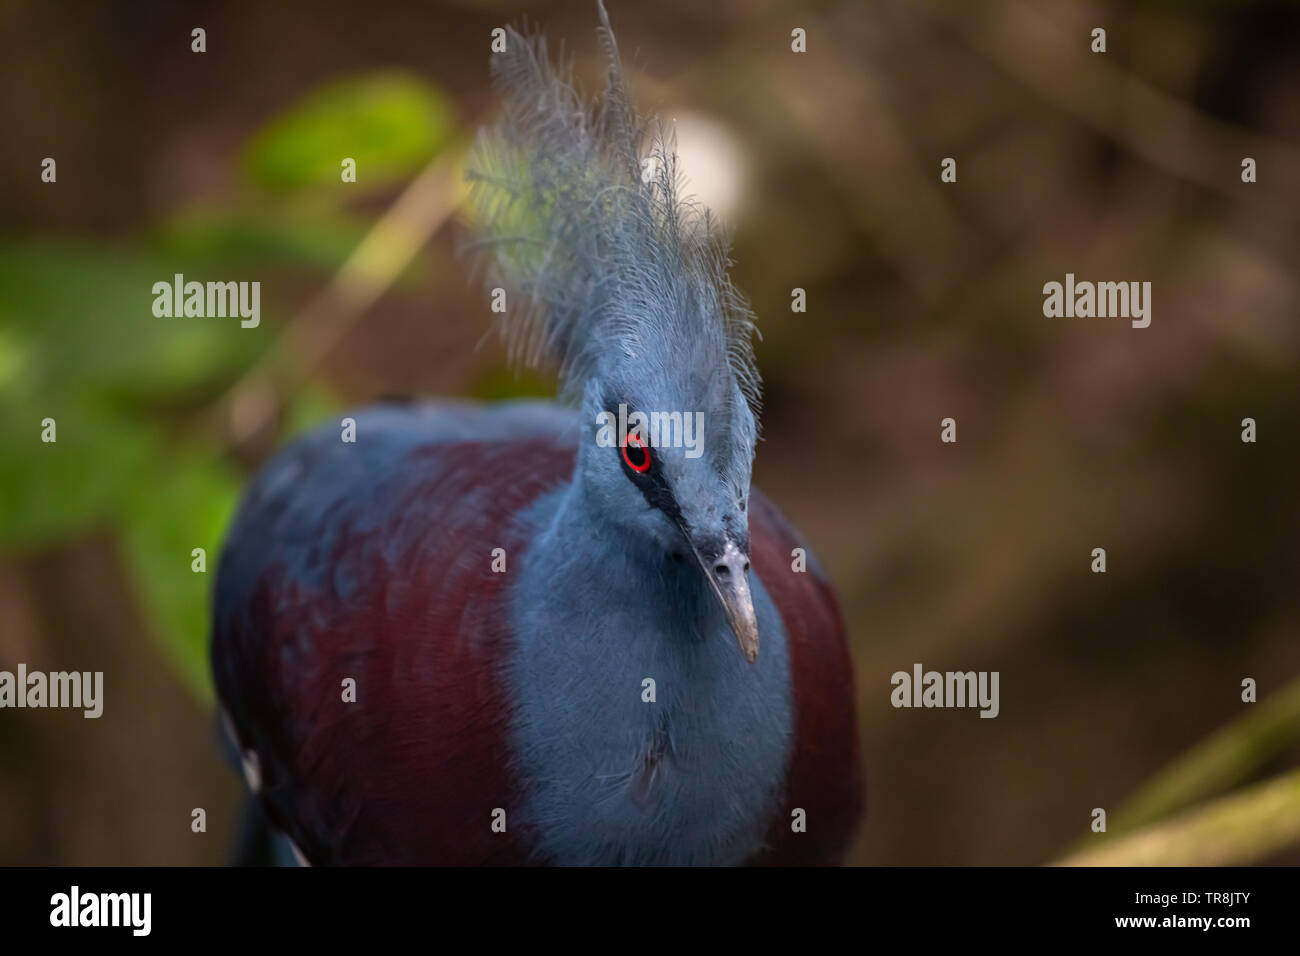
{"x": 499, "y": 384}
{"x": 311, "y": 407}
{"x": 185, "y": 502}
{"x": 79, "y": 320}
{"x": 390, "y": 123}
{"x": 15, "y": 357}
{"x": 298, "y": 235}
{"x": 79, "y": 343}
{"x": 55, "y": 489}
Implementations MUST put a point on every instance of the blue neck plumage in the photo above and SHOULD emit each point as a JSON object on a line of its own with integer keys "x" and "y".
{"x": 648, "y": 737}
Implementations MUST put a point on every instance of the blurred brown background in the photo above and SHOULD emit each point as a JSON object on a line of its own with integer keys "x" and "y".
{"x": 924, "y": 301}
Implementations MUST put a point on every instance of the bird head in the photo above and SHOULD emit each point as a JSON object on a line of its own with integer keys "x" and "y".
{"x": 666, "y": 459}
{"x": 622, "y": 284}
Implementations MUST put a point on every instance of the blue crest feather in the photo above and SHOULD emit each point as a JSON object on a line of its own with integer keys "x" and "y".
{"x": 576, "y": 211}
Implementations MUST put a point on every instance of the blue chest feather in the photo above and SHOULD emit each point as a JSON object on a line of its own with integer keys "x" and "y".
{"x": 691, "y": 777}
{"x": 599, "y": 770}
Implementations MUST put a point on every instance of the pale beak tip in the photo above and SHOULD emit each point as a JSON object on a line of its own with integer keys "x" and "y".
{"x": 727, "y": 574}
{"x": 746, "y": 631}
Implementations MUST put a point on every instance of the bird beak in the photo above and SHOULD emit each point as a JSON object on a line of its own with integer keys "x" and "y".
{"x": 727, "y": 576}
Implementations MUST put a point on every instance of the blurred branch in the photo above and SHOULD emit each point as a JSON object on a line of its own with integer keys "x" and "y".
{"x": 1243, "y": 828}
{"x": 912, "y": 223}
{"x": 1152, "y": 124}
{"x": 423, "y": 207}
{"x": 1226, "y": 759}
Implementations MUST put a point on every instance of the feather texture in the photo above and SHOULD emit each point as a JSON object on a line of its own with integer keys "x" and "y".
{"x": 492, "y": 586}
{"x": 370, "y": 562}
{"x": 577, "y": 210}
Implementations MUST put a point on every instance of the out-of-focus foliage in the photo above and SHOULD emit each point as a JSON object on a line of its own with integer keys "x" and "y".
{"x": 114, "y": 378}
{"x": 182, "y": 502}
{"x": 1226, "y": 759}
{"x": 1243, "y": 828}
{"x": 86, "y": 350}
{"x": 314, "y": 234}
{"x": 391, "y": 124}
{"x": 82, "y": 318}
{"x": 79, "y": 343}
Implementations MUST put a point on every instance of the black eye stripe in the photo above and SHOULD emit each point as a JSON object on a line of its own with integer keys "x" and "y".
{"x": 649, "y": 481}
{"x": 658, "y": 495}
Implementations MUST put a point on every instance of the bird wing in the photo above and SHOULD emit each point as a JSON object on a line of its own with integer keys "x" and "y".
{"x": 825, "y": 777}
{"x": 371, "y": 562}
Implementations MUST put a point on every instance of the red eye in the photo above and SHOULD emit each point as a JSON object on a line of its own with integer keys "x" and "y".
{"x": 636, "y": 453}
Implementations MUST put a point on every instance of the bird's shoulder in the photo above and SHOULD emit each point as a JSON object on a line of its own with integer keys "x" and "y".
{"x": 825, "y": 778}
{"x": 359, "y": 624}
